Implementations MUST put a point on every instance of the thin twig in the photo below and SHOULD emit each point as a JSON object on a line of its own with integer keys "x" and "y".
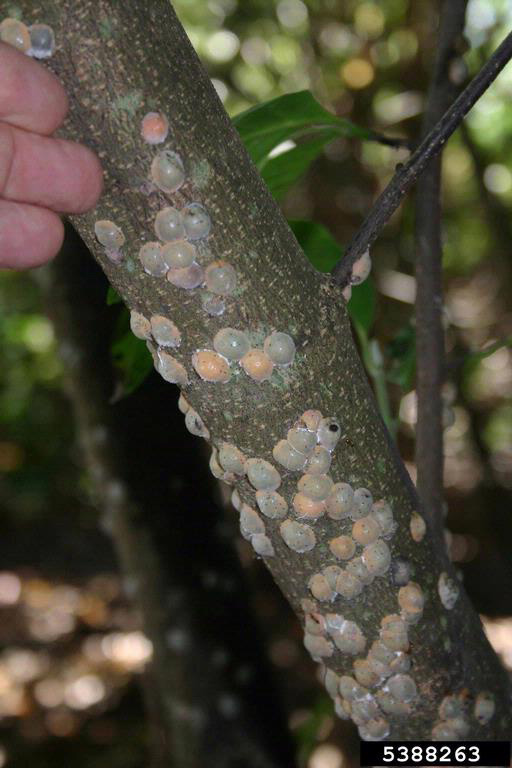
{"x": 407, "y": 174}
{"x": 429, "y": 276}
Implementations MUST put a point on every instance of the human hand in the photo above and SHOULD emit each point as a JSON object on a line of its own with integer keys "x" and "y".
{"x": 39, "y": 175}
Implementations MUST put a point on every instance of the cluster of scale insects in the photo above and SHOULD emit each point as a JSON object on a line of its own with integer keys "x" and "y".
{"x": 381, "y": 685}
{"x": 37, "y": 41}
{"x": 174, "y": 256}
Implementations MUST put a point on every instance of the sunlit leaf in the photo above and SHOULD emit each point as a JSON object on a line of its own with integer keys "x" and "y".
{"x": 264, "y": 127}
{"x": 497, "y": 433}
{"x": 282, "y": 172}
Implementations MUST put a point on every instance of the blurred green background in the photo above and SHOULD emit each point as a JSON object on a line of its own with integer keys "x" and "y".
{"x": 71, "y": 646}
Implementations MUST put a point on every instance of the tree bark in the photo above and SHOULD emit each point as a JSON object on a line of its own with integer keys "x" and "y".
{"x": 208, "y": 689}
{"x": 119, "y": 61}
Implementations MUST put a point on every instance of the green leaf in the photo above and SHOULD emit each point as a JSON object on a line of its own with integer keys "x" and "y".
{"x": 307, "y": 733}
{"x": 402, "y": 354}
{"x": 374, "y": 364}
{"x": 113, "y": 297}
{"x": 282, "y": 172}
{"x": 265, "y": 126}
{"x": 317, "y": 243}
{"x": 131, "y": 356}
{"x": 324, "y": 252}
{"x": 362, "y": 305}
{"x": 475, "y": 357}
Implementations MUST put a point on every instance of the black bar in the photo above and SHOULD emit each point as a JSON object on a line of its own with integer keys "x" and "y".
{"x": 495, "y": 754}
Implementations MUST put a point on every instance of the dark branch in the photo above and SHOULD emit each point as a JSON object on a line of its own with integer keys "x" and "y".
{"x": 429, "y": 276}
{"x": 407, "y": 174}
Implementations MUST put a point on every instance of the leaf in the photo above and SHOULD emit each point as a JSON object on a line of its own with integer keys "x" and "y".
{"x": 324, "y": 252}
{"x": 317, "y": 243}
{"x": 402, "y": 353}
{"x": 481, "y": 354}
{"x": 374, "y": 364}
{"x": 307, "y": 733}
{"x": 131, "y": 356}
{"x": 282, "y": 172}
{"x": 267, "y": 125}
{"x": 113, "y": 297}
{"x": 363, "y": 303}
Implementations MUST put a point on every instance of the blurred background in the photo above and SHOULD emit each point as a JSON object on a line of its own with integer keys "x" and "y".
{"x": 72, "y": 649}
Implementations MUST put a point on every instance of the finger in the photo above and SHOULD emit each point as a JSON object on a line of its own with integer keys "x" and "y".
{"x": 31, "y": 97}
{"x": 53, "y": 173}
{"x": 29, "y": 236}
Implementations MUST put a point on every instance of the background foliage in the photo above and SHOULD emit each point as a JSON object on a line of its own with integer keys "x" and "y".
{"x": 70, "y": 644}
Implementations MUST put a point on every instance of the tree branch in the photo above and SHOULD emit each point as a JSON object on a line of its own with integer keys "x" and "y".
{"x": 114, "y": 75}
{"x": 429, "y": 296}
{"x": 406, "y": 174}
